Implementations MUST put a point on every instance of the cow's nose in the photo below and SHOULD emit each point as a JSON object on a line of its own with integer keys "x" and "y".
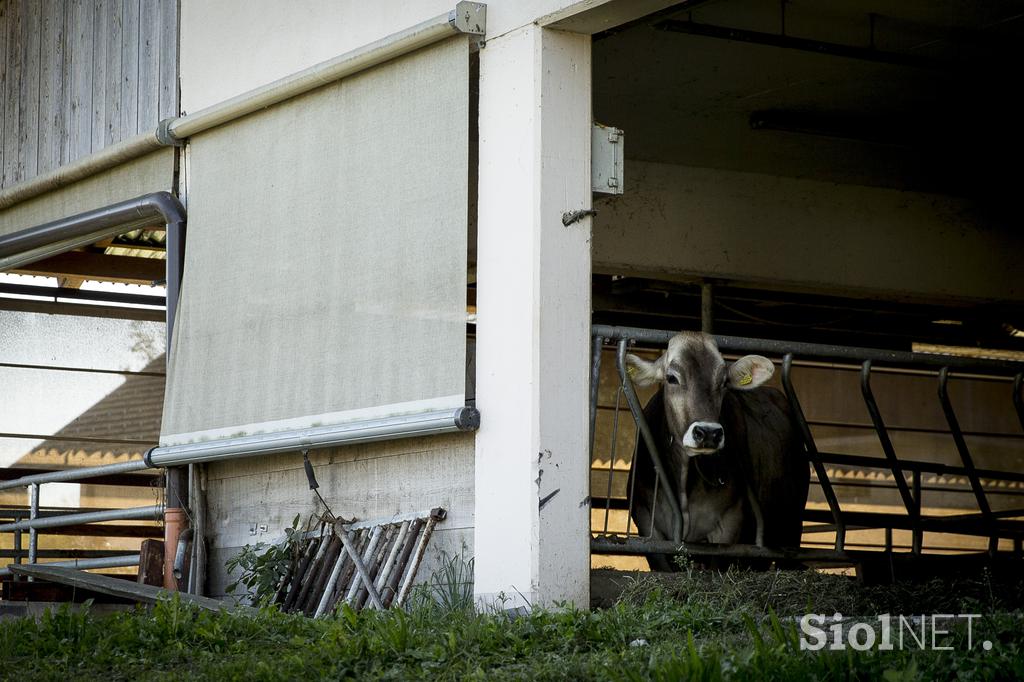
{"x": 708, "y": 435}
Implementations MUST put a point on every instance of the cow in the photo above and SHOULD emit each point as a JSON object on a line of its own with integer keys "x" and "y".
{"x": 729, "y": 446}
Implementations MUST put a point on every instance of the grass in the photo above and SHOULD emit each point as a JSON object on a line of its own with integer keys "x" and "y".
{"x": 697, "y": 625}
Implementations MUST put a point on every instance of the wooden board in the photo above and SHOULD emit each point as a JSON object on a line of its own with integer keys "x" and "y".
{"x": 146, "y": 594}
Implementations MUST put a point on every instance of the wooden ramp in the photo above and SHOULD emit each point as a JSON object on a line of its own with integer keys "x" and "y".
{"x": 145, "y": 594}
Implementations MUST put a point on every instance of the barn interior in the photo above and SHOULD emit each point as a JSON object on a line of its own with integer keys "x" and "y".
{"x": 830, "y": 173}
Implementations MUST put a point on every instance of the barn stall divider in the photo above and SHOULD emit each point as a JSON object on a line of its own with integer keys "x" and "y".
{"x": 1001, "y": 529}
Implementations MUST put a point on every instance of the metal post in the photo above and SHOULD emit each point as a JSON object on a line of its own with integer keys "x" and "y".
{"x": 1018, "y": 402}
{"x": 33, "y": 513}
{"x": 917, "y": 535}
{"x": 812, "y": 452}
{"x": 652, "y": 446}
{"x": 707, "y": 303}
{"x": 595, "y": 385}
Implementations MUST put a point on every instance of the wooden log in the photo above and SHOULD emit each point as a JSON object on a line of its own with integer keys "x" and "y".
{"x": 151, "y": 563}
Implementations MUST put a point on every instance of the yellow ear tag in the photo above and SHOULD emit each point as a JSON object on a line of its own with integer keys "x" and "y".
{"x": 746, "y": 379}
{"x": 631, "y": 371}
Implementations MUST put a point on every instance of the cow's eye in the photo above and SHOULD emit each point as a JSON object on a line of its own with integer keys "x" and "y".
{"x": 672, "y": 379}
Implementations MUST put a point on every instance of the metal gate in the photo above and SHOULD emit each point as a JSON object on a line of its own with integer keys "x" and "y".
{"x": 1002, "y": 529}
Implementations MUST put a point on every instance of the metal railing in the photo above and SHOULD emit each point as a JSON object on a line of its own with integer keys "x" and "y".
{"x": 78, "y": 521}
{"x": 993, "y": 525}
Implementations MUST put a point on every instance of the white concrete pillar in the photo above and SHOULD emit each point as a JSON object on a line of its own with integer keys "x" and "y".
{"x": 533, "y": 320}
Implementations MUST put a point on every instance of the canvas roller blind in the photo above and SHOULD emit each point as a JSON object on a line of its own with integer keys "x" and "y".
{"x": 325, "y": 273}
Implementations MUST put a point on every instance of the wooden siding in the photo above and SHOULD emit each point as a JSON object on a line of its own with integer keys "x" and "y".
{"x": 80, "y": 75}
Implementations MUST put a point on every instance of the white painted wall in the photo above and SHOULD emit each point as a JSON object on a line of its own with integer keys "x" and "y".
{"x": 682, "y": 221}
{"x": 231, "y": 46}
{"x": 533, "y": 320}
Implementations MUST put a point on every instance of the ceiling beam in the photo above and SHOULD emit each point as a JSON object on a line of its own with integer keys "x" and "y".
{"x": 127, "y": 269}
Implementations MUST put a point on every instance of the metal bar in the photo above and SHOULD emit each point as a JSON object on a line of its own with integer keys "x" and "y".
{"x": 88, "y": 370}
{"x": 919, "y": 466}
{"x": 883, "y": 437}
{"x": 817, "y": 351}
{"x": 17, "y": 546}
{"x": 76, "y": 439}
{"x": 652, "y": 446}
{"x": 595, "y": 386}
{"x": 965, "y": 454}
{"x": 80, "y": 294}
{"x": 917, "y": 534}
{"x": 152, "y": 512}
{"x": 103, "y": 562}
{"x": 611, "y": 458}
{"x": 391, "y": 591}
{"x": 361, "y": 570}
{"x": 64, "y": 553}
{"x": 1018, "y": 401}
{"x": 802, "y": 44}
{"x": 385, "y": 573}
{"x": 452, "y": 420}
{"x": 812, "y": 452}
{"x": 33, "y": 533}
{"x": 65, "y": 475}
{"x": 353, "y": 589}
{"x": 410, "y": 575}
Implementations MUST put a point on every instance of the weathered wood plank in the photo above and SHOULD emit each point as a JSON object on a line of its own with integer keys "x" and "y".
{"x": 51, "y": 86}
{"x": 129, "y": 68}
{"x": 146, "y": 594}
{"x": 3, "y": 80}
{"x": 149, "y": 65}
{"x": 12, "y": 87}
{"x": 99, "y": 75}
{"x": 63, "y": 146}
{"x": 28, "y": 104}
{"x": 168, "y": 59}
{"x": 112, "y": 85}
{"x": 80, "y": 133}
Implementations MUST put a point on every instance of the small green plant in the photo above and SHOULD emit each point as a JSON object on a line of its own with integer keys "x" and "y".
{"x": 264, "y": 566}
{"x": 450, "y": 586}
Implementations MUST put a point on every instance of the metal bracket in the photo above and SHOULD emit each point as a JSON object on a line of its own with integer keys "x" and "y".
{"x": 164, "y": 135}
{"x": 469, "y": 17}
{"x": 606, "y": 159}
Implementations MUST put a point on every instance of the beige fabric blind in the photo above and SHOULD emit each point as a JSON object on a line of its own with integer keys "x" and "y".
{"x": 325, "y": 274}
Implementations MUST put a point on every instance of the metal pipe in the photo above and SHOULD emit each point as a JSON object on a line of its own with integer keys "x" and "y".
{"x": 818, "y": 351}
{"x": 467, "y": 17}
{"x": 883, "y": 437}
{"x": 812, "y": 451}
{"x": 102, "y": 562}
{"x": 410, "y": 575}
{"x": 332, "y": 581}
{"x": 185, "y": 540}
{"x": 358, "y": 591}
{"x": 385, "y": 573}
{"x": 595, "y": 386}
{"x": 153, "y": 512}
{"x": 105, "y": 159}
{"x": 361, "y": 570}
{"x": 652, "y": 446}
{"x": 391, "y": 591}
{"x": 386, "y": 428}
{"x": 82, "y": 229}
{"x": 965, "y": 454}
{"x": 917, "y": 534}
{"x": 319, "y": 578}
{"x": 33, "y": 533}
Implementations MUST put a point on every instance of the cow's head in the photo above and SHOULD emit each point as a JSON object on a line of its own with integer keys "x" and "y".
{"x": 695, "y": 378}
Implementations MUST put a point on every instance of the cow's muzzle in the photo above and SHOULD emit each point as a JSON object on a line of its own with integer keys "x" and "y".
{"x": 704, "y": 438}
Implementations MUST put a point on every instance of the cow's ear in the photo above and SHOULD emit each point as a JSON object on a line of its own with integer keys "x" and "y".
{"x": 644, "y": 373}
{"x": 749, "y": 372}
